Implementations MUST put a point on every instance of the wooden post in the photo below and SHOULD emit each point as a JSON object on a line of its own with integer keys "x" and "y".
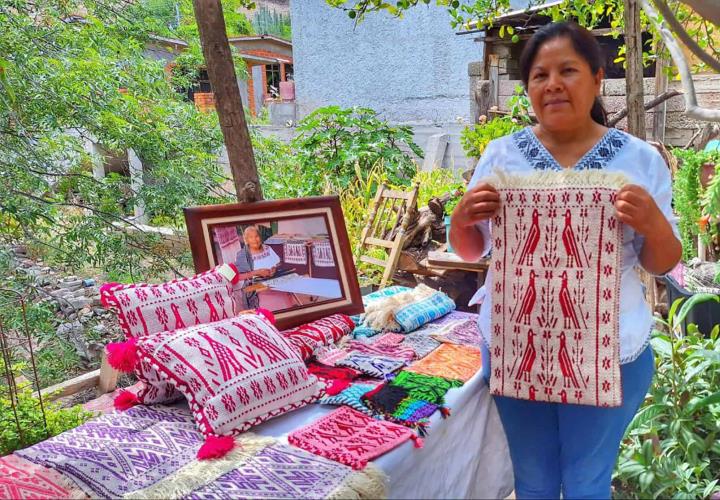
{"x": 221, "y": 71}
{"x": 661, "y": 84}
{"x": 634, "y": 70}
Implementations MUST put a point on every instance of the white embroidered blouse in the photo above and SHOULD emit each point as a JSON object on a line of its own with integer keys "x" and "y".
{"x": 618, "y": 152}
{"x": 266, "y": 259}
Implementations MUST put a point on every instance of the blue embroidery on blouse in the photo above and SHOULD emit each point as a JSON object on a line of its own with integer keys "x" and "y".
{"x": 541, "y": 159}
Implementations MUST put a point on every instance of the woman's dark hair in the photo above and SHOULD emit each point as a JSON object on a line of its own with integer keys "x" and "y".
{"x": 584, "y": 44}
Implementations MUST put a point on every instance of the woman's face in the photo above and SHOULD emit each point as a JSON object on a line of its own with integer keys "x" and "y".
{"x": 252, "y": 239}
{"x": 561, "y": 86}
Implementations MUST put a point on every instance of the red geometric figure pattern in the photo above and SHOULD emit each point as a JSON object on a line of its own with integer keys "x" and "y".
{"x": 555, "y": 300}
{"x": 323, "y": 332}
{"x": 145, "y": 309}
{"x": 21, "y": 479}
{"x": 234, "y": 373}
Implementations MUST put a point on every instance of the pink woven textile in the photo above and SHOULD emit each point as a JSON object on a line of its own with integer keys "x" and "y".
{"x": 145, "y": 309}
{"x": 235, "y": 373}
{"x": 349, "y": 437}
{"x": 322, "y": 332}
{"x": 20, "y": 478}
{"x": 556, "y": 262}
{"x": 382, "y": 348}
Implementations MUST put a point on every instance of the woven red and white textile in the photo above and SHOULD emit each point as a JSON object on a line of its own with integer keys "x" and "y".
{"x": 556, "y": 261}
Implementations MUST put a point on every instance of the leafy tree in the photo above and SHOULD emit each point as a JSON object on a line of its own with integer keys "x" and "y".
{"x": 64, "y": 79}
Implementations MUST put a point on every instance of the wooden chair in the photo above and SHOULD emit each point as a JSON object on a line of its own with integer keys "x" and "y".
{"x": 390, "y": 215}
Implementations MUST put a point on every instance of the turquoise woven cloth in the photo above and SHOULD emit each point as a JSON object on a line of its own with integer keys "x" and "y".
{"x": 363, "y": 331}
{"x": 413, "y": 316}
{"x": 350, "y": 397}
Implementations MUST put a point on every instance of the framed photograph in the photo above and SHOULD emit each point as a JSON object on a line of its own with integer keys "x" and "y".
{"x": 293, "y": 256}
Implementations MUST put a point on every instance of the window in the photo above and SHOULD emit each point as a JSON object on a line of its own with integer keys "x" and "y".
{"x": 272, "y": 73}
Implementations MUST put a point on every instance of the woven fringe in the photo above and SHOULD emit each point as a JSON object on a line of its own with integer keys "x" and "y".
{"x": 380, "y": 314}
{"x": 369, "y": 483}
{"x": 197, "y": 473}
{"x": 554, "y": 179}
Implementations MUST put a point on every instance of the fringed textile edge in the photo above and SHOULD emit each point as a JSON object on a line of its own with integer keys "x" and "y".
{"x": 369, "y": 483}
{"x": 554, "y": 179}
{"x": 198, "y": 473}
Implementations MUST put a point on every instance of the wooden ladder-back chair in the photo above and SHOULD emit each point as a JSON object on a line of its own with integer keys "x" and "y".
{"x": 389, "y": 217}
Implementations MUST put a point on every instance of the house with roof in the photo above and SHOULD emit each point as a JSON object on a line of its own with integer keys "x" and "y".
{"x": 269, "y": 62}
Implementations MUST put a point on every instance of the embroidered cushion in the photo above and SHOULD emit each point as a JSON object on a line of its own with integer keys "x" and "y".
{"x": 146, "y": 309}
{"x": 322, "y": 332}
{"x": 234, "y": 373}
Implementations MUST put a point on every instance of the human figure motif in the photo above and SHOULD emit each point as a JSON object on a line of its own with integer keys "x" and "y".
{"x": 254, "y": 260}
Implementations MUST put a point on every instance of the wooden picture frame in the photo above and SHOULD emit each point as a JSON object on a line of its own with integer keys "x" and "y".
{"x": 294, "y": 255}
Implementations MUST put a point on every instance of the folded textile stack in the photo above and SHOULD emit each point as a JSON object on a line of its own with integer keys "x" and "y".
{"x": 400, "y": 309}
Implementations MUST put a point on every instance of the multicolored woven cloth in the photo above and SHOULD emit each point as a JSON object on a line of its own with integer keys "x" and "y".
{"x": 337, "y": 378}
{"x": 416, "y": 314}
{"x": 350, "y": 437}
{"x": 425, "y": 387}
{"x": 464, "y": 332}
{"x": 150, "y": 452}
{"x": 450, "y": 361}
{"x": 372, "y": 365}
{"x": 395, "y": 404}
{"x": 385, "y": 349}
{"x": 421, "y": 343}
{"x": 352, "y": 397}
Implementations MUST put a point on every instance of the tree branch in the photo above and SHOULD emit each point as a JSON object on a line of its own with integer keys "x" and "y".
{"x": 709, "y": 9}
{"x": 651, "y": 104}
{"x": 691, "y": 107}
{"x": 685, "y": 38}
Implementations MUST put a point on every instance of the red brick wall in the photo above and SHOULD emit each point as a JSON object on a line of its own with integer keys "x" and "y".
{"x": 204, "y": 101}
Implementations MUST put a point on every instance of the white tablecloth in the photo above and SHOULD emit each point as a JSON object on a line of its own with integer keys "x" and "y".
{"x": 464, "y": 456}
{"x": 321, "y": 287}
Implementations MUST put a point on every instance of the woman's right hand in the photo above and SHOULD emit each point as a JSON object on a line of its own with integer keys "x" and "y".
{"x": 477, "y": 204}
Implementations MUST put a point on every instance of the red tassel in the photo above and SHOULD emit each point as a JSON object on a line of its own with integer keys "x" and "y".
{"x": 123, "y": 355}
{"x": 417, "y": 441}
{"x": 445, "y": 411}
{"x": 337, "y": 386}
{"x": 125, "y": 400}
{"x": 216, "y": 447}
{"x": 268, "y": 314}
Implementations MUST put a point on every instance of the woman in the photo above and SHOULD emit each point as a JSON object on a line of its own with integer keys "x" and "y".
{"x": 563, "y": 447}
{"x": 254, "y": 260}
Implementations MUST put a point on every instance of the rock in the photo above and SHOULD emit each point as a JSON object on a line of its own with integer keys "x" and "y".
{"x": 20, "y": 250}
{"x": 100, "y": 329}
{"x": 99, "y": 311}
{"x": 74, "y": 333}
{"x": 71, "y": 285}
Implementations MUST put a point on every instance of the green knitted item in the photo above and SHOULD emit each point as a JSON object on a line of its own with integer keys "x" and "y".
{"x": 425, "y": 387}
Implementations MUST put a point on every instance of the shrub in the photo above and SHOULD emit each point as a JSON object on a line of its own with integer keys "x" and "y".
{"x": 672, "y": 446}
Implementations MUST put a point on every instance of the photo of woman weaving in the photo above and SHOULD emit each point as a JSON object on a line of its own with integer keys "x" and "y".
{"x": 569, "y": 209}
{"x": 282, "y": 264}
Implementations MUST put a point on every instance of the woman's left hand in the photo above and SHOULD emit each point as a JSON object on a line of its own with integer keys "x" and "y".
{"x": 635, "y": 207}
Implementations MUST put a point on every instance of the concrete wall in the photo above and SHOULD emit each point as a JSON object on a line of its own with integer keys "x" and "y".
{"x": 411, "y": 69}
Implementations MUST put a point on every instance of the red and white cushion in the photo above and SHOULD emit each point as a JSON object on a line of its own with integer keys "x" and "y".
{"x": 319, "y": 333}
{"x": 235, "y": 373}
{"x": 146, "y": 309}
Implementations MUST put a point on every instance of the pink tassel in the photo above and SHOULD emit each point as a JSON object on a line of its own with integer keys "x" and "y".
{"x": 417, "y": 441}
{"x": 265, "y": 312}
{"x": 123, "y": 355}
{"x": 216, "y": 447}
{"x": 336, "y": 386}
{"x": 445, "y": 411}
{"x": 125, "y": 400}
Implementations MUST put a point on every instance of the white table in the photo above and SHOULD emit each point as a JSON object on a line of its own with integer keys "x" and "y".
{"x": 464, "y": 456}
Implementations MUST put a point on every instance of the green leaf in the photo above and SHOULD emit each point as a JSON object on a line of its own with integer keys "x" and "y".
{"x": 698, "y": 298}
{"x": 706, "y": 401}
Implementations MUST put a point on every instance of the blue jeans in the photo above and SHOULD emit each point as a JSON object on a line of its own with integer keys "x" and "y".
{"x": 569, "y": 447}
